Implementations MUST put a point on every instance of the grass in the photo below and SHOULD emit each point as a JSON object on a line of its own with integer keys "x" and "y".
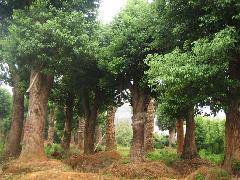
{"x": 167, "y": 155}
{"x": 213, "y": 158}
{"x": 124, "y": 151}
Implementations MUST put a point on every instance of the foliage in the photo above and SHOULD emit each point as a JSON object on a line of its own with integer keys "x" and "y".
{"x": 210, "y": 134}
{"x": 164, "y": 120}
{"x": 159, "y": 141}
{"x": 124, "y": 133}
{"x": 54, "y": 150}
{"x": 167, "y": 155}
{"x": 214, "y": 158}
{"x": 5, "y": 111}
{"x": 6, "y": 102}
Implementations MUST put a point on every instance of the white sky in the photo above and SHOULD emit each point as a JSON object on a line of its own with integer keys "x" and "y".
{"x": 109, "y": 8}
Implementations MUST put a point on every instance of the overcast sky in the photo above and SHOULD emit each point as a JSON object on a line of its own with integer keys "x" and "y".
{"x": 109, "y": 8}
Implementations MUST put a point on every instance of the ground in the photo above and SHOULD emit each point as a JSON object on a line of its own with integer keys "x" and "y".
{"x": 161, "y": 164}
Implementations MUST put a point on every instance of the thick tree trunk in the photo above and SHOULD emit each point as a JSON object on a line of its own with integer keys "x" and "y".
{"x": 110, "y": 130}
{"x": 33, "y": 145}
{"x": 13, "y": 147}
{"x": 180, "y": 135}
{"x": 81, "y": 128}
{"x": 91, "y": 121}
{"x": 68, "y": 121}
{"x": 171, "y": 138}
{"x": 98, "y": 135}
{"x": 139, "y": 102}
{"x": 189, "y": 148}
{"x": 90, "y": 127}
{"x": 51, "y": 127}
{"x": 149, "y": 126}
{"x": 232, "y": 125}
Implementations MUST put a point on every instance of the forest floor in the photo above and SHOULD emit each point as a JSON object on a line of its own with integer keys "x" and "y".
{"x": 113, "y": 165}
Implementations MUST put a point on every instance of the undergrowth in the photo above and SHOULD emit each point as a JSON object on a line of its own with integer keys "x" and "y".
{"x": 167, "y": 155}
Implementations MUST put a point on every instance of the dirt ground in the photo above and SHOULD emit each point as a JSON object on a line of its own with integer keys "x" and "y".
{"x": 107, "y": 165}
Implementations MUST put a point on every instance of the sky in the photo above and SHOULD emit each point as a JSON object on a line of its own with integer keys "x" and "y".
{"x": 109, "y": 8}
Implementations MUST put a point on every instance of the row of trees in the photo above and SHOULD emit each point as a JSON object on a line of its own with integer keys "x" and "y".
{"x": 183, "y": 53}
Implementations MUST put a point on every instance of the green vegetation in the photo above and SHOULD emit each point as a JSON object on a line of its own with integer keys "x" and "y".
{"x": 166, "y": 155}
{"x": 124, "y": 134}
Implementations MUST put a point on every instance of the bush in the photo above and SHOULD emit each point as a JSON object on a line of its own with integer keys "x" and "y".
{"x": 214, "y": 158}
{"x": 54, "y": 150}
{"x": 167, "y": 155}
{"x": 159, "y": 141}
{"x": 210, "y": 135}
{"x": 124, "y": 133}
{"x": 1, "y": 147}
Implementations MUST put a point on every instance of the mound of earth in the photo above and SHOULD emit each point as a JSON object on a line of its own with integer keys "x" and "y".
{"x": 209, "y": 174}
{"x": 145, "y": 170}
{"x": 186, "y": 167}
{"x": 93, "y": 163}
{"x": 52, "y": 169}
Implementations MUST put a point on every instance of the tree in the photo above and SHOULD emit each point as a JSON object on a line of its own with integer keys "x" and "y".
{"x": 129, "y": 45}
{"x": 42, "y": 49}
{"x": 110, "y": 129}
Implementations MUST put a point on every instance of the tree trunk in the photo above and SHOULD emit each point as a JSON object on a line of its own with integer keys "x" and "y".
{"x": 81, "y": 127}
{"x": 149, "y": 126}
{"x": 232, "y": 125}
{"x": 171, "y": 138}
{"x": 180, "y": 135}
{"x": 33, "y": 142}
{"x": 189, "y": 148}
{"x": 139, "y": 102}
{"x": 90, "y": 128}
{"x": 68, "y": 121}
{"x": 91, "y": 121}
{"x": 98, "y": 135}
{"x": 13, "y": 147}
{"x": 51, "y": 126}
{"x": 110, "y": 130}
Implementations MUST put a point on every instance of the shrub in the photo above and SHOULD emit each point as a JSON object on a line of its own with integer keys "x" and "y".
{"x": 210, "y": 135}
{"x": 159, "y": 141}
{"x": 166, "y": 155}
{"x": 54, "y": 150}
{"x": 124, "y": 133}
{"x": 214, "y": 158}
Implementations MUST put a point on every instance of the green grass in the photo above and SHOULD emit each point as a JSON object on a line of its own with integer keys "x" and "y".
{"x": 124, "y": 151}
{"x": 213, "y": 158}
{"x": 167, "y": 155}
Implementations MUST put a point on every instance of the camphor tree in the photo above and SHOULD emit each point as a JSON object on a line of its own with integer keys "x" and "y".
{"x": 210, "y": 64}
{"x": 130, "y": 43}
{"x": 14, "y": 74}
{"x": 41, "y": 34}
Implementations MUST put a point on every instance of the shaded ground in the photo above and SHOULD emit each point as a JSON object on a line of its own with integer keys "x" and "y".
{"x": 112, "y": 165}
{"x": 52, "y": 169}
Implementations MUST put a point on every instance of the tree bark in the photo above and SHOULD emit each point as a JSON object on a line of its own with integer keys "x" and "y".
{"x": 189, "y": 148}
{"x": 180, "y": 135}
{"x": 68, "y": 121}
{"x": 232, "y": 125}
{"x": 91, "y": 121}
{"x": 13, "y": 146}
{"x": 139, "y": 102}
{"x": 81, "y": 128}
{"x": 51, "y": 126}
{"x": 171, "y": 138}
{"x": 98, "y": 135}
{"x": 149, "y": 126}
{"x": 110, "y": 130}
{"x": 33, "y": 142}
